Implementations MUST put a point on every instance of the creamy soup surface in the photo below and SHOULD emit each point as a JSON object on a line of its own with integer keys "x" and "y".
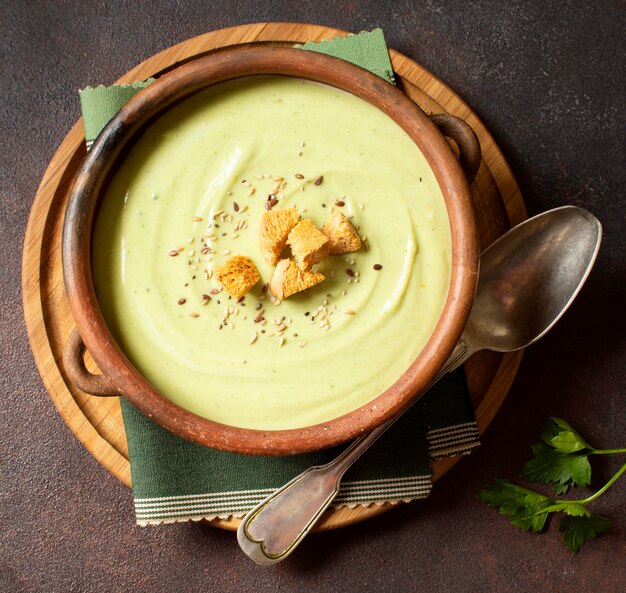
{"x": 196, "y": 184}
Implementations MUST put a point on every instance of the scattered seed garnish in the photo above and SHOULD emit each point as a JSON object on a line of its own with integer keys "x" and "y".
{"x": 323, "y": 205}
{"x": 246, "y": 183}
{"x": 302, "y": 344}
{"x": 204, "y": 250}
{"x": 361, "y": 207}
{"x": 243, "y": 209}
{"x": 235, "y": 207}
{"x": 307, "y": 313}
{"x": 251, "y": 191}
{"x": 302, "y": 144}
{"x": 340, "y": 203}
{"x": 240, "y": 299}
{"x": 182, "y": 301}
{"x": 332, "y": 273}
{"x": 173, "y": 252}
{"x": 319, "y": 180}
{"x": 377, "y": 267}
{"x": 265, "y": 286}
{"x": 258, "y": 307}
{"x": 226, "y": 251}
{"x": 299, "y": 176}
{"x": 350, "y": 273}
{"x": 253, "y": 338}
{"x": 259, "y": 176}
{"x": 194, "y": 314}
{"x": 282, "y": 341}
{"x": 259, "y": 319}
{"x": 196, "y": 218}
{"x": 349, "y": 312}
{"x": 215, "y": 290}
{"x": 300, "y": 154}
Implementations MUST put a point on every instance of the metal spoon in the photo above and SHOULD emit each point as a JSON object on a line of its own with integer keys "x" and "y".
{"x": 528, "y": 279}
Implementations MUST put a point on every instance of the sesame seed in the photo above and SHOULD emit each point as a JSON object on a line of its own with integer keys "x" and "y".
{"x": 282, "y": 341}
{"x": 196, "y": 218}
{"x": 234, "y": 235}
{"x": 349, "y": 312}
{"x": 251, "y": 191}
{"x": 302, "y": 144}
{"x": 299, "y": 176}
{"x": 253, "y": 338}
{"x": 259, "y": 176}
{"x": 194, "y": 314}
{"x": 246, "y": 183}
{"x": 191, "y": 252}
{"x": 226, "y": 251}
{"x": 243, "y": 209}
{"x": 215, "y": 290}
{"x": 361, "y": 207}
{"x": 302, "y": 344}
{"x": 173, "y": 253}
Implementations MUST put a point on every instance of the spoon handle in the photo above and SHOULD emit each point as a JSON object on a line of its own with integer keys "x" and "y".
{"x": 273, "y": 529}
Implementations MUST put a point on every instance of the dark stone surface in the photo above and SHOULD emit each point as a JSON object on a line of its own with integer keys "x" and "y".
{"x": 548, "y": 81}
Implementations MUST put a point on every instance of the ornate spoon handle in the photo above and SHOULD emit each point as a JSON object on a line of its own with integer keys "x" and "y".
{"x": 273, "y": 529}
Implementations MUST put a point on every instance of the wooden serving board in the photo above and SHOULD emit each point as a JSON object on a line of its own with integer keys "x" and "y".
{"x": 97, "y": 422}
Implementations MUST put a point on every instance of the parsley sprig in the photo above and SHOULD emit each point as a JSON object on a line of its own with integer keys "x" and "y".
{"x": 561, "y": 460}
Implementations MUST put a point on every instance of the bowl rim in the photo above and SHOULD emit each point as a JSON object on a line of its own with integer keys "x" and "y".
{"x": 183, "y": 81}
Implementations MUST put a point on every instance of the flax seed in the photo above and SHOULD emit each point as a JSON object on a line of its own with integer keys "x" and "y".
{"x": 182, "y": 301}
{"x": 299, "y": 176}
{"x": 319, "y": 180}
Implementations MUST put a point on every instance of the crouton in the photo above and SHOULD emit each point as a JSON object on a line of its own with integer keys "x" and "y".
{"x": 238, "y": 275}
{"x": 275, "y": 227}
{"x": 308, "y": 244}
{"x": 342, "y": 235}
{"x": 288, "y": 279}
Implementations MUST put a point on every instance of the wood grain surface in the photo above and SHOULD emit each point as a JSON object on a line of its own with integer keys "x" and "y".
{"x": 97, "y": 422}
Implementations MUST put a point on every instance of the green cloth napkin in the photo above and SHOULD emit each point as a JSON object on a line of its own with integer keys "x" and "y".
{"x": 175, "y": 480}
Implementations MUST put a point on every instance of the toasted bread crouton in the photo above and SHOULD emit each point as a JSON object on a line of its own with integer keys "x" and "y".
{"x": 238, "y": 275}
{"x": 288, "y": 279}
{"x": 343, "y": 236}
{"x": 308, "y": 244}
{"x": 275, "y": 227}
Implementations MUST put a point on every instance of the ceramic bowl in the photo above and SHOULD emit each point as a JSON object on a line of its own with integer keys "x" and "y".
{"x": 119, "y": 377}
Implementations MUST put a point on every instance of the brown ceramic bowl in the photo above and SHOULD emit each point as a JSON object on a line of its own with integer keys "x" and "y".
{"x": 121, "y": 378}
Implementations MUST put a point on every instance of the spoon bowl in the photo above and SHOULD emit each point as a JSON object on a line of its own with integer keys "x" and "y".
{"x": 529, "y": 277}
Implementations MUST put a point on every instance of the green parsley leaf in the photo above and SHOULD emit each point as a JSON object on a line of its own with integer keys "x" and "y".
{"x": 559, "y": 435}
{"x": 576, "y": 530}
{"x": 523, "y": 507}
{"x": 562, "y": 470}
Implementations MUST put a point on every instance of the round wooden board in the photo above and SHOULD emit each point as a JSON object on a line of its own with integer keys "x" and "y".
{"x": 97, "y": 422}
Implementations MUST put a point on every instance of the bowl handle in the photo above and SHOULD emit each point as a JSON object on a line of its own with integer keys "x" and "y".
{"x": 465, "y": 138}
{"x": 74, "y": 363}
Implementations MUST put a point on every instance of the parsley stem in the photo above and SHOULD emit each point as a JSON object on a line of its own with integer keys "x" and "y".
{"x": 607, "y": 451}
{"x": 604, "y": 488}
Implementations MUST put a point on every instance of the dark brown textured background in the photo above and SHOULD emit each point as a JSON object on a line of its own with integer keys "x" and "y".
{"x": 548, "y": 80}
